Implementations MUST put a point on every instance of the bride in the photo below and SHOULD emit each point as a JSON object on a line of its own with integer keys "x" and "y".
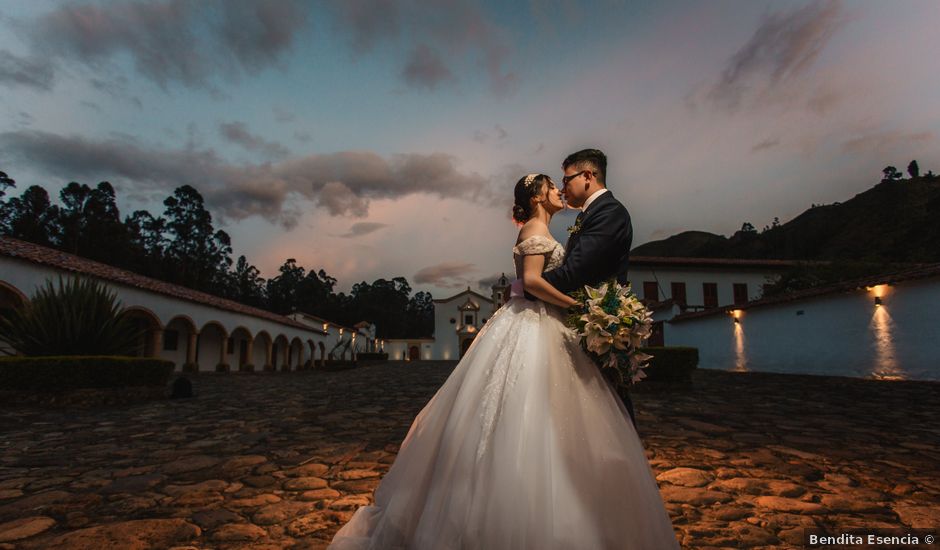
{"x": 525, "y": 445}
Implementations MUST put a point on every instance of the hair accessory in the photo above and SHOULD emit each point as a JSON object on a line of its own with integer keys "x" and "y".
{"x": 529, "y": 179}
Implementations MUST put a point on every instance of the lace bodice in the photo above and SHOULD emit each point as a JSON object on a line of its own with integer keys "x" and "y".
{"x": 537, "y": 244}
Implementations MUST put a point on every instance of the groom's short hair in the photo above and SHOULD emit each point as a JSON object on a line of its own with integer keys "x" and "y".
{"x": 595, "y": 157}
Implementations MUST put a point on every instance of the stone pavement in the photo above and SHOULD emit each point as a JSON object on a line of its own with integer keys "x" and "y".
{"x": 282, "y": 460}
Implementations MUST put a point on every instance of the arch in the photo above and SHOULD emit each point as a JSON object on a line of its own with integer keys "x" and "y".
{"x": 212, "y": 346}
{"x": 322, "y": 348}
{"x": 241, "y": 346}
{"x": 179, "y": 341}
{"x": 313, "y": 354}
{"x": 279, "y": 351}
{"x": 10, "y": 296}
{"x": 185, "y": 320}
{"x": 259, "y": 354}
{"x": 414, "y": 353}
{"x": 295, "y": 354}
{"x": 150, "y": 342}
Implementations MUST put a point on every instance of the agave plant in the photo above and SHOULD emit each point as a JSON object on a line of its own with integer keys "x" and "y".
{"x": 77, "y": 317}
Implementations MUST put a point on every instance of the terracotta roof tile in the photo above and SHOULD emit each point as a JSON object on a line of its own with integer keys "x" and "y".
{"x": 678, "y": 261}
{"x": 907, "y": 274}
{"x": 15, "y": 248}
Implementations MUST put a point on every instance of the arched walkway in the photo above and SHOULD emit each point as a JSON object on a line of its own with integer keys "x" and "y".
{"x": 240, "y": 347}
{"x": 212, "y": 347}
{"x": 295, "y": 356}
{"x": 150, "y": 342}
{"x": 261, "y": 351}
{"x": 180, "y": 341}
{"x": 279, "y": 353}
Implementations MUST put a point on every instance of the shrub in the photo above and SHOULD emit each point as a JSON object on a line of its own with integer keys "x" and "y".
{"x": 54, "y": 373}
{"x": 670, "y": 364}
{"x": 78, "y": 317}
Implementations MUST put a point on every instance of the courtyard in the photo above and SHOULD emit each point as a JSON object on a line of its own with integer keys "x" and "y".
{"x": 282, "y": 460}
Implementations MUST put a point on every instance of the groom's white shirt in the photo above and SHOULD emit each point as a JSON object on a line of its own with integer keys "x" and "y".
{"x": 592, "y": 198}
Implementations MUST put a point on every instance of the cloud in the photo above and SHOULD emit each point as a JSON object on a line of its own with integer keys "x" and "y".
{"x": 283, "y": 115}
{"x": 368, "y": 21}
{"x": 480, "y": 136}
{"x": 343, "y": 183}
{"x": 173, "y": 40}
{"x": 237, "y": 133}
{"x": 449, "y": 32}
{"x": 339, "y": 200}
{"x": 425, "y": 69}
{"x": 304, "y": 137}
{"x": 445, "y": 274}
{"x": 362, "y": 228}
{"x": 35, "y": 73}
{"x": 783, "y": 47}
{"x": 885, "y": 142}
{"x": 766, "y": 144}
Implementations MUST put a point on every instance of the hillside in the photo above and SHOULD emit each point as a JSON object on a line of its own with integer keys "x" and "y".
{"x": 895, "y": 221}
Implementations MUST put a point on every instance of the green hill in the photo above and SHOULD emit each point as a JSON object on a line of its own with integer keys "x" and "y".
{"x": 895, "y": 221}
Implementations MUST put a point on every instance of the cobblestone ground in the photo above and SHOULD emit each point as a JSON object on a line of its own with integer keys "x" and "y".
{"x": 283, "y": 460}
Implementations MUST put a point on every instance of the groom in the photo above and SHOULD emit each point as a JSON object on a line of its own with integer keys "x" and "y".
{"x": 599, "y": 245}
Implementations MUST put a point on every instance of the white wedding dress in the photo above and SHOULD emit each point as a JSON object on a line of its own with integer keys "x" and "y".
{"x": 524, "y": 447}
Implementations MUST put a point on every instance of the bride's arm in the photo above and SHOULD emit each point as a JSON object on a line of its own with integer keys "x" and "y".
{"x": 532, "y": 266}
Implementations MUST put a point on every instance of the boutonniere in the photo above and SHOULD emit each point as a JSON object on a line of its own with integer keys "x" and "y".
{"x": 574, "y": 229}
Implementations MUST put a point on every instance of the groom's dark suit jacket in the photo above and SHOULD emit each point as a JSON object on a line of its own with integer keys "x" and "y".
{"x": 599, "y": 250}
{"x": 595, "y": 253}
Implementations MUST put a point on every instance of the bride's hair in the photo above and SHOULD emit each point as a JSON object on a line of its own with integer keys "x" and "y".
{"x": 526, "y": 188}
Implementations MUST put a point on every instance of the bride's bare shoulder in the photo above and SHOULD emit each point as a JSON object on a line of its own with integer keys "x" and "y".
{"x": 532, "y": 228}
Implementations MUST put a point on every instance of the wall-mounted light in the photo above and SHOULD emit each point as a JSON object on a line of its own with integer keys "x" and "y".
{"x": 877, "y": 301}
{"x": 736, "y": 314}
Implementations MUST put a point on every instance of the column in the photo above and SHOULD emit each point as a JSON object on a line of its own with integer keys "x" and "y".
{"x": 191, "y": 348}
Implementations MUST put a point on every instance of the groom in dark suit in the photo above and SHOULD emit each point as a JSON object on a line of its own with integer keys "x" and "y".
{"x": 599, "y": 245}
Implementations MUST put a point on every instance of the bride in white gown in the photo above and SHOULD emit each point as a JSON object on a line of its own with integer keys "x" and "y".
{"x": 525, "y": 446}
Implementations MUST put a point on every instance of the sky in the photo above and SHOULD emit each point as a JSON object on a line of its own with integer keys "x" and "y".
{"x": 375, "y": 138}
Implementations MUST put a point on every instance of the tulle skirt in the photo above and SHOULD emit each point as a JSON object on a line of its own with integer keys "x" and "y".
{"x": 524, "y": 446}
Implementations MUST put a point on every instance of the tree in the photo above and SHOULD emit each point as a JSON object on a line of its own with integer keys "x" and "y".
{"x": 5, "y": 182}
{"x": 91, "y": 224}
{"x": 913, "y": 170}
{"x": 31, "y": 217}
{"x": 890, "y": 174}
{"x": 246, "y": 284}
{"x": 282, "y": 290}
{"x": 748, "y": 227}
{"x": 200, "y": 256}
{"x": 420, "y": 312}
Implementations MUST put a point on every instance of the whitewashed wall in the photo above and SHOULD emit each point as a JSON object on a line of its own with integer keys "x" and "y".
{"x": 840, "y": 334}
{"x": 695, "y": 277}
{"x": 27, "y": 277}
{"x": 446, "y": 341}
{"x": 398, "y": 349}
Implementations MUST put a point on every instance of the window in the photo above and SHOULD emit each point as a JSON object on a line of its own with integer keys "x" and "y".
{"x": 710, "y": 292}
{"x": 740, "y": 293}
{"x": 468, "y": 319}
{"x": 678, "y": 293}
{"x": 650, "y": 291}
{"x": 171, "y": 340}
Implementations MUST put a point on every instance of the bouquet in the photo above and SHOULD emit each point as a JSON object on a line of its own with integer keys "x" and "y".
{"x": 612, "y": 323}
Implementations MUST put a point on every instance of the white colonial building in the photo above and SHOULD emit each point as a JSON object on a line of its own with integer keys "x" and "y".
{"x": 883, "y": 327}
{"x": 188, "y": 327}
